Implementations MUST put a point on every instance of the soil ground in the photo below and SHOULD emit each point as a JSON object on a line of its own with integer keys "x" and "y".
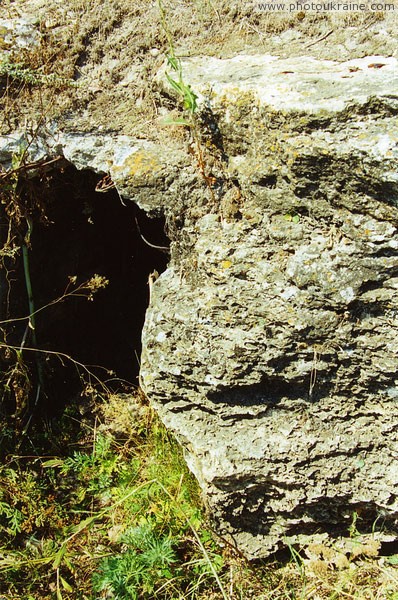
{"x": 104, "y": 56}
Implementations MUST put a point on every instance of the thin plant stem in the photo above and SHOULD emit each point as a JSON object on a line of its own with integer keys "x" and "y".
{"x": 166, "y": 29}
{"x": 28, "y": 281}
{"x": 62, "y": 355}
{"x": 31, "y": 301}
{"x": 78, "y": 292}
{"x": 195, "y": 533}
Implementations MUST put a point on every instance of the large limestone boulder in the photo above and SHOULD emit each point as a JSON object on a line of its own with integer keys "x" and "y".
{"x": 270, "y": 345}
{"x": 271, "y": 342}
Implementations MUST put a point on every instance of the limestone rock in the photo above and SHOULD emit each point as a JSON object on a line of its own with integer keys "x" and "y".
{"x": 271, "y": 343}
{"x": 270, "y": 346}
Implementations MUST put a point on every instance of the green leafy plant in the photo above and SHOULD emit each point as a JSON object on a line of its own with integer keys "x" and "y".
{"x": 121, "y": 518}
{"x": 96, "y": 470}
{"x": 12, "y": 516}
{"x": 146, "y": 564}
{"x": 176, "y": 80}
{"x": 19, "y": 72}
{"x": 292, "y": 217}
{"x": 183, "y": 89}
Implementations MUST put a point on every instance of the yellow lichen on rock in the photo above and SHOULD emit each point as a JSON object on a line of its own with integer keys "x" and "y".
{"x": 139, "y": 167}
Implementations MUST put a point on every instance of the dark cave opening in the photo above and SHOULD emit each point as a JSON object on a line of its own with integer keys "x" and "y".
{"x": 81, "y": 233}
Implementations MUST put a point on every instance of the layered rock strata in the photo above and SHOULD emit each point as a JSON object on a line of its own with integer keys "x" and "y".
{"x": 271, "y": 343}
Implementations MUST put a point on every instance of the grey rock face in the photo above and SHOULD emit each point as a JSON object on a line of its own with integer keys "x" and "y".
{"x": 270, "y": 346}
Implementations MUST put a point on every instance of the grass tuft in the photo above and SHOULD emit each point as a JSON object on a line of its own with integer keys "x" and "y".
{"x": 117, "y": 515}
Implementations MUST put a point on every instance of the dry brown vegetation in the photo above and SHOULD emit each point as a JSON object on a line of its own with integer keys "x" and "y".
{"x": 94, "y": 66}
{"x": 104, "y": 56}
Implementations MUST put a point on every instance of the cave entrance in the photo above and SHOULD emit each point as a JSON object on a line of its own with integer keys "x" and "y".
{"x": 78, "y": 233}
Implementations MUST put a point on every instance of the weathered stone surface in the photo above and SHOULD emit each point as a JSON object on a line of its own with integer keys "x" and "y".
{"x": 300, "y": 83}
{"x": 270, "y": 345}
{"x": 18, "y": 34}
{"x": 137, "y": 167}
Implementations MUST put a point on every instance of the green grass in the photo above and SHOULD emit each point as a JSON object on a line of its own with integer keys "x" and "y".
{"x": 117, "y": 515}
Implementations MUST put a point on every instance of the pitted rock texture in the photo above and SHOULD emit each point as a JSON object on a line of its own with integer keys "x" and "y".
{"x": 270, "y": 345}
{"x": 271, "y": 342}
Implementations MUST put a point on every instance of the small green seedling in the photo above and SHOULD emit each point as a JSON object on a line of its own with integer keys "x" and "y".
{"x": 184, "y": 90}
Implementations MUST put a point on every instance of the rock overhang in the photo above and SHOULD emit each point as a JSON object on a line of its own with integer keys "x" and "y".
{"x": 270, "y": 341}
